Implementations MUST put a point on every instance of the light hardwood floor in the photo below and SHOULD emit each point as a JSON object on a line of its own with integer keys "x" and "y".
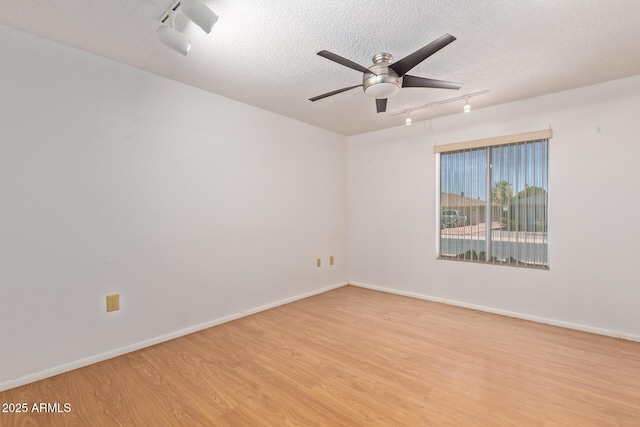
{"x": 355, "y": 357}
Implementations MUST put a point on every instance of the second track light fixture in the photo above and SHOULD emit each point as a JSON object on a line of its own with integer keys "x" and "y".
{"x": 408, "y": 119}
{"x": 172, "y": 38}
{"x": 196, "y": 11}
{"x": 200, "y": 14}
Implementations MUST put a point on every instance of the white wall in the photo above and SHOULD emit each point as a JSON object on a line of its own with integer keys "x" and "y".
{"x": 193, "y": 207}
{"x": 594, "y": 223}
{"x": 197, "y": 208}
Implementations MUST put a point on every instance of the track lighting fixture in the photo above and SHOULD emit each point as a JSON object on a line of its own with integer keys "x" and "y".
{"x": 172, "y": 38}
{"x": 196, "y": 11}
{"x": 200, "y": 14}
{"x": 467, "y": 107}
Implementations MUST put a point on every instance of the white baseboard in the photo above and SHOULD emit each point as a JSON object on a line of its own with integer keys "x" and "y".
{"x": 554, "y": 322}
{"x": 36, "y": 376}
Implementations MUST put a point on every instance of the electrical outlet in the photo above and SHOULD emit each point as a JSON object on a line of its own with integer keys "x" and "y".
{"x": 331, "y": 260}
{"x": 113, "y": 302}
{"x": 318, "y": 262}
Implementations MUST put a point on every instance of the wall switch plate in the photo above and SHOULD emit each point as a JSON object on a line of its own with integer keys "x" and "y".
{"x": 113, "y": 302}
{"x": 331, "y": 260}
{"x": 318, "y": 262}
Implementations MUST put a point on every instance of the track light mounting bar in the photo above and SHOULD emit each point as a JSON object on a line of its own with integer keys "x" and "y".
{"x": 446, "y": 101}
{"x": 175, "y": 5}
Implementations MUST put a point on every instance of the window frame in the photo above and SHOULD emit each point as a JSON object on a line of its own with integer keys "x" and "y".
{"x": 488, "y": 144}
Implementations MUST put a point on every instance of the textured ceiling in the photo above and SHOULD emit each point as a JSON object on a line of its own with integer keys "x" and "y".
{"x": 263, "y": 52}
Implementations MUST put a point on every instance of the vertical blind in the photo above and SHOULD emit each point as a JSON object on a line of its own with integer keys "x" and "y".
{"x": 494, "y": 201}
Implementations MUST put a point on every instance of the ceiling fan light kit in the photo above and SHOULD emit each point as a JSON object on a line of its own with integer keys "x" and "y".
{"x": 384, "y": 79}
{"x": 196, "y": 11}
{"x": 382, "y": 82}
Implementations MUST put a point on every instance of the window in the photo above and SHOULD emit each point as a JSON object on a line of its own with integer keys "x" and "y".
{"x": 494, "y": 199}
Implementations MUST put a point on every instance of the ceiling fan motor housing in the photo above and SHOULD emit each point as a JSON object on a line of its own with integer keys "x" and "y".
{"x": 385, "y": 82}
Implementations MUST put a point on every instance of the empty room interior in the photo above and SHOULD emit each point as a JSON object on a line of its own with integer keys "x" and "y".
{"x": 319, "y": 213}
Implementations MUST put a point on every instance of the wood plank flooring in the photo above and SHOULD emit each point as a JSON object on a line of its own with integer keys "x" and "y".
{"x": 354, "y": 357}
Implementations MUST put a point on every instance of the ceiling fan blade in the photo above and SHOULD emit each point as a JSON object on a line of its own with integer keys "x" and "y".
{"x": 381, "y": 105}
{"x": 413, "y": 81}
{"x": 343, "y": 61}
{"x": 404, "y": 65}
{"x": 335, "y": 92}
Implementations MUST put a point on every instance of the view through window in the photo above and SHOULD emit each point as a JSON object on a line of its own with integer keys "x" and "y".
{"x": 494, "y": 204}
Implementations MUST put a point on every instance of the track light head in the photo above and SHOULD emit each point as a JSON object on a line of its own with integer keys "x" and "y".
{"x": 467, "y": 107}
{"x": 172, "y": 38}
{"x": 199, "y": 13}
{"x": 408, "y": 119}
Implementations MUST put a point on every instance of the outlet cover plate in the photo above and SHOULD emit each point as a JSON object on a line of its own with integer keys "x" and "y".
{"x": 113, "y": 302}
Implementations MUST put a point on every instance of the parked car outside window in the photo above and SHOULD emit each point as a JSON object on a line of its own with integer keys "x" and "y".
{"x": 452, "y": 218}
